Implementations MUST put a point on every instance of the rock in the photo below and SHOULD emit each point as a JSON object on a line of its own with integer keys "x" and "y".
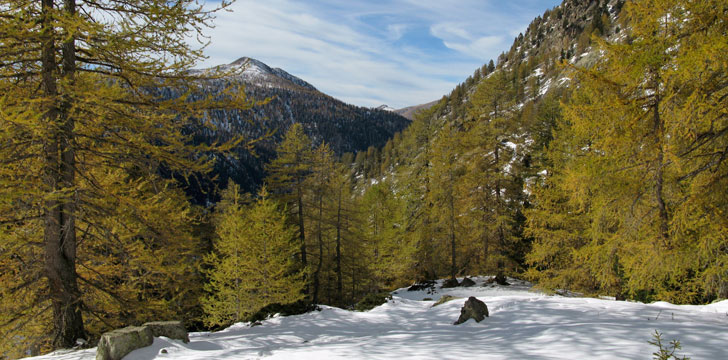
{"x": 170, "y": 329}
{"x": 473, "y": 309}
{"x": 114, "y": 345}
{"x": 467, "y": 282}
{"x": 427, "y": 299}
{"x": 500, "y": 279}
{"x": 164, "y": 351}
{"x": 444, "y": 299}
{"x": 372, "y": 300}
{"x": 450, "y": 283}
{"x": 422, "y": 285}
{"x": 257, "y": 323}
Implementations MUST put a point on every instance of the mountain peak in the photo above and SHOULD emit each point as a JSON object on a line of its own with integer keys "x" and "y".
{"x": 256, "y": 72}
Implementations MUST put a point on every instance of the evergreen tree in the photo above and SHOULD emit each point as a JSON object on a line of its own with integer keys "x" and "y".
{"x": 634, "y": 135}
{"x": 286, "y": 178}
{"x": 250, "y": 267}
{"x": 82, "y": 134}
{"x": 319, "y": 187}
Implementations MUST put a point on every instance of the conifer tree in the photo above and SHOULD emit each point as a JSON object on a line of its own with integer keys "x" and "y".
{"x": 287, "y": 175}
{"x": 446, "y": 174}
{"x": 644, "y": 128}
{"x": 250, "y": 267}
{"x": 81, "y": 132}
{"x": 320, "y": 191}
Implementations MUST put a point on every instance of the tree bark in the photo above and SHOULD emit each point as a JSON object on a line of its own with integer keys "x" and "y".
{"x": 59, "y": 179}
{"x": 317, "y": 273}
{"x": 339, "y": 277}
{"x": 302, "y": 235}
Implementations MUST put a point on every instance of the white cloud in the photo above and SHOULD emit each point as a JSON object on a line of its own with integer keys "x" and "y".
{"x": 363, "y": 52}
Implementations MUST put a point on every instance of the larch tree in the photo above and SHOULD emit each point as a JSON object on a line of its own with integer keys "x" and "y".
{"x": 286, "y": 179}
{"x": 447, "y": 171}
{"x": 83, "y": 132}
{"x": 647, "y": 130}
{"x": 251, "y": 263}
{"x": 318, "y": 184}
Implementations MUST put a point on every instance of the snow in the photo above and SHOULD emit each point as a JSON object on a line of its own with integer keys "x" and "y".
{"x": 523, "y": 324}
{"x": 545, "y": 88}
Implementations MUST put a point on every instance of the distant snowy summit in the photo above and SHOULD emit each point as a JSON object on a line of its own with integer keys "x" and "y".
{"x": 256, "y": 72}
{"x": 386, "y": 107}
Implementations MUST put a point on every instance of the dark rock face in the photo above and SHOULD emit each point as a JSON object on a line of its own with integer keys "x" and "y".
{"x": 467, "y": 282}
{"x": 450, "y": 283}
{"x": 114, "y": 345}
{"x": 473, "y": 309}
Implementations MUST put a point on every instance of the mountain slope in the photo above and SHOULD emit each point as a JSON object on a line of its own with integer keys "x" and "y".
{"x": 345, "y": 127}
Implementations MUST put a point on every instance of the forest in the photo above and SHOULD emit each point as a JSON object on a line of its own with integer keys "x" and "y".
{"x": 611, "y": 184}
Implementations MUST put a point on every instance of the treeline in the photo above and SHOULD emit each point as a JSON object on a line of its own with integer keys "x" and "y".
{"x": 345, "y": 127}
{"x": 614, "y": 186}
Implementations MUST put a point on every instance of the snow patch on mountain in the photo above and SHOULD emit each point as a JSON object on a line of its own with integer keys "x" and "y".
{"x": 256, "y": 72}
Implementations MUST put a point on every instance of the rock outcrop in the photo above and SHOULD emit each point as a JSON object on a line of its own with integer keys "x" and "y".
{"x": 116, "y": 344}
{"x": 170, "y": 329}
{"x": 473, "y": 309}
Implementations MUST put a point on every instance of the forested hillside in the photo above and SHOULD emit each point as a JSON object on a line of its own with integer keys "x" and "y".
{"x": 590, "y": 157}
{"x": 282, "y": 100}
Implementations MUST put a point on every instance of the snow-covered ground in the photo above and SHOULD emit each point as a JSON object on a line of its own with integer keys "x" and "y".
{"x": 523, "y": 324}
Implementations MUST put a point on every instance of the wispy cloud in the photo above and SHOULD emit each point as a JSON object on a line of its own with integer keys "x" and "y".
{"x": 396, "y": 52}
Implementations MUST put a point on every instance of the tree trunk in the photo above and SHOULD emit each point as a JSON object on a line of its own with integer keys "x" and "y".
{"x": 339, "y": 277}
{"x": 317, "y": 273}
{"x": 659, "y": 175}
{"x": 453, "y": 267}
{"x": 59, "y": 179}
{"x": 302, "y": 236}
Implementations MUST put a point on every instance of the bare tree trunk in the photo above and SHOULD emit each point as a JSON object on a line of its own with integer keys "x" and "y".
{"x": 59, "y": 178}
{"x": 302, "y": 236}
{"x": 317, "y": 273}
{"x": 453, "y": 266}
{"x": 339, "y": 277}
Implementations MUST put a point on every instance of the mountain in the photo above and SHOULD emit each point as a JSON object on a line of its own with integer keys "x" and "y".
{"x": 410, "y": 111}
{"x": 480, "y": 150}
{"x": 346, "y": 128}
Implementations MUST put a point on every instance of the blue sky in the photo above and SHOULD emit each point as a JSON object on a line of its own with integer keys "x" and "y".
{"x": 369, "y": 53}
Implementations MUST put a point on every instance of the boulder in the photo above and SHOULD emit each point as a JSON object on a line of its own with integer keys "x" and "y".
{"x": 467, "y": 282}
{"x": 473, "y": 309}
{"x": 450, "y": 283}
{"x": 170, "y": 329}
{"x": 114, "y": 345}
{"x": 500, "y": 279}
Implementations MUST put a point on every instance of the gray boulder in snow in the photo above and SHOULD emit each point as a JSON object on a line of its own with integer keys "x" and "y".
{"x": 450, "y": 283}
{"x": 114, "y": 345}
{"x": 467, "y": 282}
{"x": 170, "y": 329}
{"x": 473, "y": 309}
